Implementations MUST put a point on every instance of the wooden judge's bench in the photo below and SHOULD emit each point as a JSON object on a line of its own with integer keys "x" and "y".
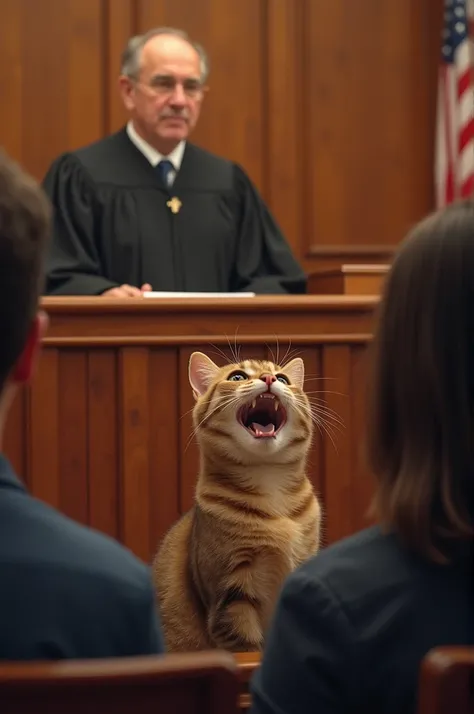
{"x": 104, "y": 431}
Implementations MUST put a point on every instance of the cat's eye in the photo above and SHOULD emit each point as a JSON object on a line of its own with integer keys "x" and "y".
{"x": 283, "y": 379}
{"x": 237, "y": 377}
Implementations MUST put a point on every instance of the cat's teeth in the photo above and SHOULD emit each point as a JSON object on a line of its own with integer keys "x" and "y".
{"x": 277, "y": 404}
{"x": 254, "y": 404}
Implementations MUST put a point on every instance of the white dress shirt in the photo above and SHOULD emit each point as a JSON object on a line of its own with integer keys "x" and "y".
{"x": 154, "y": 156}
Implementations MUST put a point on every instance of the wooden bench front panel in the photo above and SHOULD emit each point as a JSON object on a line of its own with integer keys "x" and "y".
{"x": 104, "y": 431}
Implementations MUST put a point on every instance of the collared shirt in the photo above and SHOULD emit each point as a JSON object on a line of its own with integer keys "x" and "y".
{"x": 154, "y": 156}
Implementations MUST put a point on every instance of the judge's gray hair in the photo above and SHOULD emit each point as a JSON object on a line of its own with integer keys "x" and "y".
{"x": 131, "y": 56}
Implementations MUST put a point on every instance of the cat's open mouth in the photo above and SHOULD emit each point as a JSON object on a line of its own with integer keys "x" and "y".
{"x": 263, "y": 417}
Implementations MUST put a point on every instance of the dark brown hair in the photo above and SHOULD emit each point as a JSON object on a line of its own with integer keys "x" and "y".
{"x": 24, "y": 231}
{"x": 420, "y": 436}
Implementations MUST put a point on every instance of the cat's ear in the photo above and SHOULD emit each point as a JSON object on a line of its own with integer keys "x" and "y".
{"x": 201, "y": 371}
{"x": 295, "y": 371}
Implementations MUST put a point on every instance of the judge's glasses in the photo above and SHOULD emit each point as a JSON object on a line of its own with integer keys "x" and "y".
{"x": 166, "y": 84}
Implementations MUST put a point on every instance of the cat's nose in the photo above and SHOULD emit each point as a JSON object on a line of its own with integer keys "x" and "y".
{"x": 268, "y": 379}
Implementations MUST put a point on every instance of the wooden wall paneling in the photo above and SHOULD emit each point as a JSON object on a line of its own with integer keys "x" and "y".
{"x": 428, "y": 62}
{"x": 51, "y": 78}
{"x": 150, "y": 458}
{"x": 135, "y": 434}
{"x": 120, "y": 23}
{"x": 72, "y": 434}
{"x": 367, "y": 117}
{"x": 62, "y": 78}
{"x": 288, "y": 189}
{"x": 165, "y": 455}
{"x": 16, "y": 435}
{"x": 44, "y": 477}
{"x": 86, "y": 75}
{"x": 103, "y": 441}
{"x": 362, "y": 479}
{"x": 234, "y": 121}
{"x": 338, "y": 486}
{"x": 188, "y": 449}
{"x": 11, "y": 76}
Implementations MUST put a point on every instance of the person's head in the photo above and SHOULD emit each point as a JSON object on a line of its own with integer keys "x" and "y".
{"x": 420, "y": 434}
{"x": 24, "y": 233}
{"x": 162, "y": 82}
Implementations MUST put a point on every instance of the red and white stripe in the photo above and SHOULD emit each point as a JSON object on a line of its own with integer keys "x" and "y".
{"x": 454, "y": 159}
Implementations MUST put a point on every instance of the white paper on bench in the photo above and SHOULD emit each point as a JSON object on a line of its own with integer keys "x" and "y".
{"x": 165, "y": 294}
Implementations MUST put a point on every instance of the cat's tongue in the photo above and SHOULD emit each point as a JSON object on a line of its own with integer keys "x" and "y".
{"x": 263, "y": 431}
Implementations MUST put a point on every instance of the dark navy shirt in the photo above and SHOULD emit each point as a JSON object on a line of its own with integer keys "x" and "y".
{"x": 67, "y": 591}
{"x": 353, "y": 624}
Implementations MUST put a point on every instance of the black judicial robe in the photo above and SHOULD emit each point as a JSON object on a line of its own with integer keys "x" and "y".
{"x": 112, "y": 226}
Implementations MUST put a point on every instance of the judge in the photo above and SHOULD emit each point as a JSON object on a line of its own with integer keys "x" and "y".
{"x": 145, "y": 209}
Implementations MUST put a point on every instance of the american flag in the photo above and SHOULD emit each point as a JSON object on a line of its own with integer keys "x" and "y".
{"x": 454, "y": 159}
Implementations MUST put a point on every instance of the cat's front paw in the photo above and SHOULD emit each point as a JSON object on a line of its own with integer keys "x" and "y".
{"x": 236, "y": 628}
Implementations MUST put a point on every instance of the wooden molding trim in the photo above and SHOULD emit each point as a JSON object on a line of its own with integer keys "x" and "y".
{"x": 153, "y": 340}
{"x": 261, "y": 303}
{"x": 348, "y": 251}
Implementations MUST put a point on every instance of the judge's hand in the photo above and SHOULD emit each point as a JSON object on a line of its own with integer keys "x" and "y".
{"x": 127, "y": 291}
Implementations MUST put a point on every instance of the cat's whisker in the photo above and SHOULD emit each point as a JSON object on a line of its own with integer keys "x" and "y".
{"x": 224, "y": 404}
{"x": 220, "y": 353}
{"x": 286, "y": 354}
{"x": 318, "y": 400}
{"x": 235, "y": 351}
{"x": 322, "y": 408}
{"x": 198, "y": 426}
{"x": 335, "y": 427}
{"x": 332, "y": 431}
{"x": 231, "y": 349}
{"x": 238, "y": 350}
{"x": 330, "y": 419}
{"x": 320, "y": 420}
{"x": 324, "y": 428}
{"x": 190, "y": 411}
{"x": 312, "y": 377}
{"x": 326, "y": 391}
{"x": 290, "y": 356}
{"x": 274, "y": 358}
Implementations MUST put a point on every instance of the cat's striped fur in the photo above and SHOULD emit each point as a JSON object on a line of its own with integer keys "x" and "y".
{"x": 220, "y": 568}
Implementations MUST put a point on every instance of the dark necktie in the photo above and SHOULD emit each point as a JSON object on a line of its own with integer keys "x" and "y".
{"x": 165, "y": 169}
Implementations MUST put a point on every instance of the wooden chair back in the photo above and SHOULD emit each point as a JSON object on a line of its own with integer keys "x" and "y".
{"x": 446, "y": 684}
{"x": 248, "y": 663}
{"x": 197, "y": 683}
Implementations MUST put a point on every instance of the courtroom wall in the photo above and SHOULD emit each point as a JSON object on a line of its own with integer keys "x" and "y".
{"x": 330, "y": 106}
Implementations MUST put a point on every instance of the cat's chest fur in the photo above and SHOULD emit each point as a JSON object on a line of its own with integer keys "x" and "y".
{"x": 288, "y": 534}
{"x": 272, "y": 520}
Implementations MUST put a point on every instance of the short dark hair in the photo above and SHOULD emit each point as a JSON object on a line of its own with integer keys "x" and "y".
{"x": 24, "y": 232}
{"x": 421, "y": 405}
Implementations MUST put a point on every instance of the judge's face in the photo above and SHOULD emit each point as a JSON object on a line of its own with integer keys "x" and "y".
{"x": 165, "y": 100}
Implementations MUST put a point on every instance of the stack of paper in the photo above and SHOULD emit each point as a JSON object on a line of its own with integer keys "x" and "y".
{"x": 164, "y": 294}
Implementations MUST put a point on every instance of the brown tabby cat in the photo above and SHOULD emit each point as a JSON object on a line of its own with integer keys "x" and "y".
{"x": 219, "y": 569}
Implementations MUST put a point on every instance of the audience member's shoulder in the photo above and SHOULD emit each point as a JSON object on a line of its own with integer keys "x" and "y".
{"x": 369, "y": 556}
{"x": 62, "y": 543}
